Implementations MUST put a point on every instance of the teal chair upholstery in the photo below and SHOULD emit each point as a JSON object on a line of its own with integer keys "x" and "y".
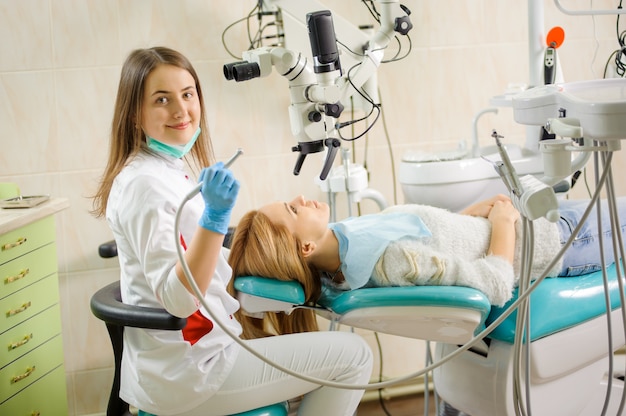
{"x": 278, "y": 409}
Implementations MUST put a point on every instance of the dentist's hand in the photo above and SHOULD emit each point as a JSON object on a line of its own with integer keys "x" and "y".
{"x": 219, "y": 191}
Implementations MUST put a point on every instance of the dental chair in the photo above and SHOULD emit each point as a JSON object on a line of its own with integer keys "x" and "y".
{"x": 451, "y": 314}
{"x": 568, "y": 332}
{"x": 106, "y": 305}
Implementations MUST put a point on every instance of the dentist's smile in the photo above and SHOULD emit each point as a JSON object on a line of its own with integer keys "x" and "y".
{"x": 181, "y": 126}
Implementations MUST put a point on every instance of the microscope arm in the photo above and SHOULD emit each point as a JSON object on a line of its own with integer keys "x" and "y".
{"x": 394, "y": 18}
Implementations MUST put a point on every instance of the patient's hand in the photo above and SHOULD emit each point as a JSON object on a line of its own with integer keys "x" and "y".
{"x": 483, "y": 208}
{"x": 503, "y": 217}
{"x": 503, "y": 212}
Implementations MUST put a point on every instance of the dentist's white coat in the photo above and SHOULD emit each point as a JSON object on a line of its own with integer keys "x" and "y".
{"x": 161, "y": 372}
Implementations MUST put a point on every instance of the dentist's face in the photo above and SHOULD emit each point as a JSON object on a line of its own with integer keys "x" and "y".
{"x": 171, "y": 108}
{"x": 307, "y": 220}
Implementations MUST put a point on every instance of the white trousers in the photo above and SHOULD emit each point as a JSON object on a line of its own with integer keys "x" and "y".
{"x": 338, "y": 356}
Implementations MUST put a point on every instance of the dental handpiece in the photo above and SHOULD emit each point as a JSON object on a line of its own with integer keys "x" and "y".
{"x": 232, "y": 159}
{"x": 227, "y": 164}
{"x": 506, "y": 169}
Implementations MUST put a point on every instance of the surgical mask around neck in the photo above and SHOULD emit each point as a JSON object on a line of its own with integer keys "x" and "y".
{"x": 176, "y": 151}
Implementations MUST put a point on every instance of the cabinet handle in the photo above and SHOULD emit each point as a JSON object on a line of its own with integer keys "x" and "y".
{"x": 9, "y": 246}
{"x": 21, "y": 342}
{"x": 28, "y": 372}
{"x": 22, "y": 308}
{"x": 16, "y": 277}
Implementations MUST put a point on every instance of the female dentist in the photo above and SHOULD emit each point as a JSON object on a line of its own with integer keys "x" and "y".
{"x": 158, "y": 122}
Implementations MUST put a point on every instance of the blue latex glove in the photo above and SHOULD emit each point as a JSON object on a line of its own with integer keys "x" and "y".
{"x": 219, "y": 191}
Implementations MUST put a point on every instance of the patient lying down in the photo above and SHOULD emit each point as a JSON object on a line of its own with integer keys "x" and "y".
{"x": 404, "y": 245}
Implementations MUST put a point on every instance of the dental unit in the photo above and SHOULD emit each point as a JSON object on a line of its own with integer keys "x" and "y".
{"x": 475, "y": 340}
{"x": 562, "y": 379}
{"x": 433, "y": 178}
{"x": 454, "y": 179}
{"x": 545, "y": 351}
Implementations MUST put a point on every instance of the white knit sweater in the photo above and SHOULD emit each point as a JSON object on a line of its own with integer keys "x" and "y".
{"x": 456, "y": 255}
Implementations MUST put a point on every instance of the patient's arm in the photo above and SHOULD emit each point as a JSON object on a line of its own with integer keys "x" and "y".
{"x": 411, "y": 262}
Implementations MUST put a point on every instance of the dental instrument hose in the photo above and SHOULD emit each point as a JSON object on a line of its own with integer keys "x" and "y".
{"x": 371, "y": 386}
{"x": 618, "y": 252}
{"x": 523, "y": 318}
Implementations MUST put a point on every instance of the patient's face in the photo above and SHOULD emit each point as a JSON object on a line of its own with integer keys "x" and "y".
{"x": 307, "y": 220}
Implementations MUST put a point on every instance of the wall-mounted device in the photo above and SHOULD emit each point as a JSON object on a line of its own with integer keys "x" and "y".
{"x": 555, "y": 38}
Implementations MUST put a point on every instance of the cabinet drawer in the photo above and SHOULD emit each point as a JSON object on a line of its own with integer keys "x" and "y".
{"x": 31, "y": 333}
{"x": 25, "y": 239}
{"x": 18, "y": 375}
{"x": 28, "y": 302}
{"x": 24, "y": 270}
{"x": 44, "y": 397}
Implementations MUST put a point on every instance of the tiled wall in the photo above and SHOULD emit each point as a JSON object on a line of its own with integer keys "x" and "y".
{"x": 59, "y": 68}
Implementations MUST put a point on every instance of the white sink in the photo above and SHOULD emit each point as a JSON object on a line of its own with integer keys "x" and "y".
{"x": 455, "y": 184}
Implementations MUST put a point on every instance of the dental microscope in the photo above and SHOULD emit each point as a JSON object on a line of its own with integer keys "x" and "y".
{"x": 319, "y": 89}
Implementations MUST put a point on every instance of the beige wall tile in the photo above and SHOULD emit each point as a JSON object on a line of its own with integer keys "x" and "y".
{"x": 85, "y": 100}
{"x": 86, "y": 341}
{"x": 92, "y": 391}
{"x": 83, "y": 232}
{"x": 26, "y": 42}
{"x": 85, "y": 33}
{"x": 27, "y": 114}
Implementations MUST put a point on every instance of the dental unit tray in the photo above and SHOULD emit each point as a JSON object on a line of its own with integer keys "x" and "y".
{"x": 599, "y": 105}
{"x": 449, "y": 314}
{"x": 23, "y": 201}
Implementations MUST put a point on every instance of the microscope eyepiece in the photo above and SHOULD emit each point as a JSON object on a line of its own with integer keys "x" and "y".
{"x": 242, "y": 71}
{"x": 228, "y": 70}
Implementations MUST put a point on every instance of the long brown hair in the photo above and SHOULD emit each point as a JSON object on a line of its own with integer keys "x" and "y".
{"x": 127, "y": 136}
{"x": 262, "y": 248}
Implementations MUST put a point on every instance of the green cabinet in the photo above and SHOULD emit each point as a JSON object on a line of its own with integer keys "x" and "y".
{"x": 32, "y": 375}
